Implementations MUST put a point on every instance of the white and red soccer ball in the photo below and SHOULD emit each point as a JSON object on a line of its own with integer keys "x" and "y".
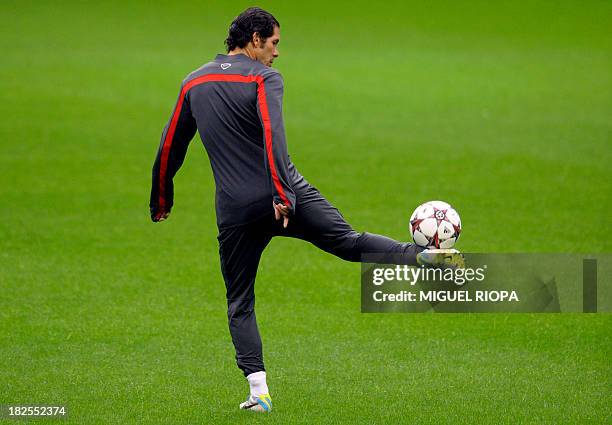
{"x": 435, "y": 224}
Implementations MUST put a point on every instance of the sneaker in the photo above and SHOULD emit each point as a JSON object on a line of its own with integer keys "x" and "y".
{"x": 262, "y": 403}
{"x": 441, "y": 258}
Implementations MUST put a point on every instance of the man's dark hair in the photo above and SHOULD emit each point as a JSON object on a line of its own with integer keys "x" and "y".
{"x": 248, "y": 22}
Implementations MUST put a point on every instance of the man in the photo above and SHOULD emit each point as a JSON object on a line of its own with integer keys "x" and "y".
{"x": 235, "y": 102}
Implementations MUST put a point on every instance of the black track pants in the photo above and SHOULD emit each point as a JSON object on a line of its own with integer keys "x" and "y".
{"x": 240, "y": 249}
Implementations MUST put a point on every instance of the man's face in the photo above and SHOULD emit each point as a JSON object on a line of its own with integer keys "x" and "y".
{"x": 266, "y": 51}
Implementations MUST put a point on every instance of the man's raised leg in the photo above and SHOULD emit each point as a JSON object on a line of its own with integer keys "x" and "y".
{"x": 319, "y": 222}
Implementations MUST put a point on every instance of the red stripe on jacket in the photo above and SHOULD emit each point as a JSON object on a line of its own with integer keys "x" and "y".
{"x": 263, "y": 106}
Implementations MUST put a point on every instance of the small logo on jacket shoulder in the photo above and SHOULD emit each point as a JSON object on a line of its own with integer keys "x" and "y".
{"x": 224, "y": 66}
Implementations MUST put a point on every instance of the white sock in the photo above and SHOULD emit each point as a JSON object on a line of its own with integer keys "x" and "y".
{"x": 257, "y": 382}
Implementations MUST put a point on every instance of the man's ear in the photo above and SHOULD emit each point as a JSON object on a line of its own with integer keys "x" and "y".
{"x": 256, "y": 40}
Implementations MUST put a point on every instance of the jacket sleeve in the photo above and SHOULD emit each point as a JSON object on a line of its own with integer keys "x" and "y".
{"x": 170, "y": 155}
{"x": 276, "y": 158}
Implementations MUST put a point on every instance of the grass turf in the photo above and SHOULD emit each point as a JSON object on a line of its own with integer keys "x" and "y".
{"x": 501, "y": 109}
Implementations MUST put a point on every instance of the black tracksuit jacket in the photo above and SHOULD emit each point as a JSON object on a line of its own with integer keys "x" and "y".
{"x": 236, "y": 105}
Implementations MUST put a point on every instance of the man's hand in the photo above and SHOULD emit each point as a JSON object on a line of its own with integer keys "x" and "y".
{"x": 159, "y": 215}
{"x": 281, "y": 210}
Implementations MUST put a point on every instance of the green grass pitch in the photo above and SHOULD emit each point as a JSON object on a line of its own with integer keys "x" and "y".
{"x": 501, "y": 108}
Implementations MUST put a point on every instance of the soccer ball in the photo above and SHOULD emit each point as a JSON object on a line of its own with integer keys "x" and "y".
{"x": 435, "y": 224}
